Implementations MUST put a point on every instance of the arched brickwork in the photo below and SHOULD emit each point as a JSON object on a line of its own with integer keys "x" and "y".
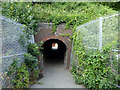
{"x": 54, "y": 37}
{"x": 45, "y": 33}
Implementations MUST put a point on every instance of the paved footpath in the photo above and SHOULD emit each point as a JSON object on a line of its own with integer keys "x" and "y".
{"x": 55, "y": 76}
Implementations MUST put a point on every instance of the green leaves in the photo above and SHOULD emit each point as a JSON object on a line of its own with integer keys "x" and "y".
{"x": 97, "y": 72}
{"x": 30, "y": 61}
{"x": 19, "y": 74}
{"x": 33, "y": 49}
{"x": 73, "y": 14}
{"x": 21, "y": 12}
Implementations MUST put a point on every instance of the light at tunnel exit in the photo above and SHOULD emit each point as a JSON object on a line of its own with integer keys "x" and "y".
{"x": 54, "y": 50}
{"x": 54, "y": 46}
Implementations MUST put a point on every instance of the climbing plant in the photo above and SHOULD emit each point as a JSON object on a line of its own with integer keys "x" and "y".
{"x": 71, "y": 13}
{"x": 96, "y": 71}
{"x": 21, "y": 12}
{"x": 94, "y": 63}
{"x": 18, "y": 74}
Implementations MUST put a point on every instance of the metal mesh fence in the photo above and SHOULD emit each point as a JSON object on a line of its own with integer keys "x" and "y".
{"x": 110, "y": 31}
{"x": 10, "y": 37}
{"x": 11, "y": 32}
{"x": 97, "y": 34}
{"x": 6, "y": 62}
{"x": 90, "y": 34}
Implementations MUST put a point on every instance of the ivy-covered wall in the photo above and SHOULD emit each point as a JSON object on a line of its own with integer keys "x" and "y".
{"x": 45, "y": 33}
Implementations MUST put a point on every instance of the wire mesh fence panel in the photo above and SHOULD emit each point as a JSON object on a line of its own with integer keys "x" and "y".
{"x": 110, "y": 36}
{"x": 10, "y": 39}
{"x": 12, "y": 47}
{"x": 114, "y": 61}
{"x": 96, "y": 35}
{"x": 6, "y": 63}
{"x": 110, "y": 31}
{"x": 90, "y": 34}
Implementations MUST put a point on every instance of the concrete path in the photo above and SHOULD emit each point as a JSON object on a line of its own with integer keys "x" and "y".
{"x": 55, "y": 76}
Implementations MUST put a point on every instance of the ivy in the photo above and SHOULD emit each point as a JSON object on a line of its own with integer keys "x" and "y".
{"x": 96, "y": 71}
{"x": 95, "y": 64}
{"x": 18, "y": 74}
{"x": 72, "y": 14}
{"x": 21, "y": 12}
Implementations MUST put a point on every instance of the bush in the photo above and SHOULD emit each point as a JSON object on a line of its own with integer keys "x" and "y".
{"x": 21, "y": 77}
{"x": 21, "y": 12}
{"x": 30, "y": 61}
{"x": 19, "y": 74}
{"x": 33, "y": 49}
{"x": 96, "y": 72}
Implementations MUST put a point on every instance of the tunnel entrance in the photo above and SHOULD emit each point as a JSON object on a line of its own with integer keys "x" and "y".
{"x": 54, "y": 51}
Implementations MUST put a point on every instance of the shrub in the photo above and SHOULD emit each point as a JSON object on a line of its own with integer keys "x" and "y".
{"x": 19, "y": 74}
{"x": 33, "y": 49}
{"x": 30, "y": 61}
{"x": 96, "y": 72}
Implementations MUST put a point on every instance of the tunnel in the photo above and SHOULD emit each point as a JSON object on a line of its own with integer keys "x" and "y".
{"x": 54, "y": 51}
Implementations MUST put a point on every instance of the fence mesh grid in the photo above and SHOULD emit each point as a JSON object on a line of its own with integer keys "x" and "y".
{"x": 110, "y": 31}
{"x": 90, "y": 34}
{"x": 10, "y": 37}
{"x": 11, "y": 46}
{"x": 101, "y": 31}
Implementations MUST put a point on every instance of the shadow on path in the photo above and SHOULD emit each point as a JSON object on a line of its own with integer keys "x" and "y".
{"x": 55, "y": 76}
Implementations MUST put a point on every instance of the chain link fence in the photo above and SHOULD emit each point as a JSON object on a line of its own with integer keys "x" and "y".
{"x": 97, "y": 34}
{"x": 10, "y": 34}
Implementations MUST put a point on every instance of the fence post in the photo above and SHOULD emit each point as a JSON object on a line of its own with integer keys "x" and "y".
{"x": 33, "y": 40}
{"x": 1, "y": 55}
{"x": 100, "y": 33}
{"x": 71, "y": 56}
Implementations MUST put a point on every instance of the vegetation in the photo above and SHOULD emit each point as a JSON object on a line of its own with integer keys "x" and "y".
{"x": 72, "y": 13}
{"x": 21, "y": 12}
{"x": 24, "y": 14}
{"x": 20, "y": 74}
{"x": 33, "y": 48}
{"x": 93, "y": 68}
{"x": 30, "y": 61}
{"x": 95, "y": 63}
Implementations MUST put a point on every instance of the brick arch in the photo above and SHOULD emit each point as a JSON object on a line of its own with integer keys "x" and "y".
{"x": 45, "y": 33}
{"x": 55, "y": 37}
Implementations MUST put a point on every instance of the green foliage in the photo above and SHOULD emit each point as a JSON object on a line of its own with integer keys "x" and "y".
{"x": 41, "y": 45}
{"x": 96, "y": 72}
{"x": 21, "y": 12}
{"x": 71, "y": 13}
{"x": 67, "y": 35}
{"x": 33, "y": 49}
{"x": 114, "y": 5}
{"x": 37, "y": 71}
{"x": 95, "y": 63}
{"x": 20, "y": 73}
{"x": 30, "y": 61}
{"x": 22, "y": 77}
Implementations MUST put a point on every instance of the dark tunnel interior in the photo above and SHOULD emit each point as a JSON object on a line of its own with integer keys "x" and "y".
{"x": 54, "y": 55}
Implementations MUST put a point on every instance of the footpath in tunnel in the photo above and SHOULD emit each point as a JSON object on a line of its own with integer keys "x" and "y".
{"x": 55, "y": 76}
{"x": 54, "y": 72}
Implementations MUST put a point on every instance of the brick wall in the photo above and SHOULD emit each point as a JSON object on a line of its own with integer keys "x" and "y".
{"x": 45, "y": 33}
